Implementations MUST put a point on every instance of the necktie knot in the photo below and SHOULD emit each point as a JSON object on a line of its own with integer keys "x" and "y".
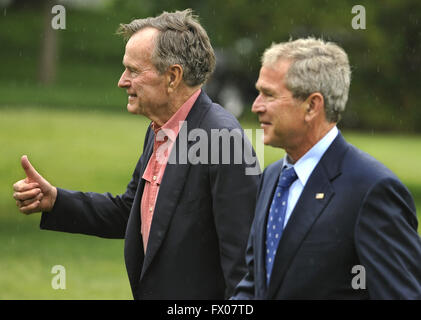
{"x": 287, "y": 177}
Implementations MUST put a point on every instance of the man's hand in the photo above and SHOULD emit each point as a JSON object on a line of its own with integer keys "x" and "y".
{"x": 34, "y": 193}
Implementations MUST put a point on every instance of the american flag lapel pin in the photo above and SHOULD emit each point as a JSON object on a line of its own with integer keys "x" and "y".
{"x": 320, "y": 196}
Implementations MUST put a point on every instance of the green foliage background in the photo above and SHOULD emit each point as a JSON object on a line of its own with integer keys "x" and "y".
{"x": 385, "y": 57}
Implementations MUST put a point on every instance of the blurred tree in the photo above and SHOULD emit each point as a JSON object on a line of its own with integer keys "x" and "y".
{"x": 48, "y": 56}
{"x": 47, "y": 64}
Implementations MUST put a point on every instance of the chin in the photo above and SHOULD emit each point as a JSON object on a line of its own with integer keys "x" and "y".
{"x": 271, "y": 142}
{"x": 266, "y": 140}
{"x": 132, "y": 109}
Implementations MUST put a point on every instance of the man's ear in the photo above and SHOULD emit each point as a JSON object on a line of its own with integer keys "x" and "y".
{"x": 174, "y": 77}
{"x": 315, "y": 106}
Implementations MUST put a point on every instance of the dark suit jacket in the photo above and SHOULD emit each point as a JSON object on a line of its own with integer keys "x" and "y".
{"x": 366, "y": 217}
{"x": 200, "y": 226}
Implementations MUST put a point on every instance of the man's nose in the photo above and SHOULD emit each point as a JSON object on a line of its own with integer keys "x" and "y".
{"x": 258, "y": 105}
{"x": 124, "y": 81}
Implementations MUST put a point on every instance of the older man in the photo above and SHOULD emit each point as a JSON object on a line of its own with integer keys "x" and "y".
{"x": 331, "y": 222}
{"x": 185, "y": 224}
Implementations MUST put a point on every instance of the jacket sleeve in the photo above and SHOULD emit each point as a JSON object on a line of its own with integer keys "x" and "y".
{"x": 91, "y": 213}
{"x": 387, "y": 242}
{"x": 233, "y": 202}
{"x": 245, "y": 290}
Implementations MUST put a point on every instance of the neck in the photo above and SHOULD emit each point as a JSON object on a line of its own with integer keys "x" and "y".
{"x": 176, "y": 101}
{"x": 180, "y": 97}
{"x": 309, "y": 140}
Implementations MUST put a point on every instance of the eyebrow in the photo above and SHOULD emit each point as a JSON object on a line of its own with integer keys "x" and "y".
{"x": 127, "y": 65}
{"x": 263, "y": 89}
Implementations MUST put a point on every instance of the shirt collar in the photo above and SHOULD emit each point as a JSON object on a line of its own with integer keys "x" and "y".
{"x": 306, "y": 164}
{"x": 172, "y": 127}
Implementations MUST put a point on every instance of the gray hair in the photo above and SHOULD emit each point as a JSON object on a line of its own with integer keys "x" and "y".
{"x": 181, "y": 40}
{"x": 317, "y": 66}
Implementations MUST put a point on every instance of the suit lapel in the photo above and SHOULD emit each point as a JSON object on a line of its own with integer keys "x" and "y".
{"x": 307, "y": 210}
{"x": 173, "y": 182}
{"x": 133, "y": 246}
{"x": 262, "y": 207}
{"x": 134, "y": 218}
{"x": 305, "y": 213}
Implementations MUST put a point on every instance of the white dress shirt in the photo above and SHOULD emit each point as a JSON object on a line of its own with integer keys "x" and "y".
{"x": 304, "y": 167}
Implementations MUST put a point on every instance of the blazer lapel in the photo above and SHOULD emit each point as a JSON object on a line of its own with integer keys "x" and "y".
{"x": 307, "y": 210}
{"x": 133, "y": 246}
{"x": 134, "y": 218}
{"x": 262, "y": 207}
{"x": 173, "y": 183}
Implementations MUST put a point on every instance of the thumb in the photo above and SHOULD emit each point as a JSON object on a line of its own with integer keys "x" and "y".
{"x": 30, "y": 171}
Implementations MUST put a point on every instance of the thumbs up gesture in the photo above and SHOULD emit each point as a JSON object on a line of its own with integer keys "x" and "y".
{"x": 34, "y": 193}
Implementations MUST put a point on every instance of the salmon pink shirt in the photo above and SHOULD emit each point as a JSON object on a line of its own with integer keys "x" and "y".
{"x": 154, "y": 171}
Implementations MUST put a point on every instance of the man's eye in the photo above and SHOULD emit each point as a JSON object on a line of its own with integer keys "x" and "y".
{"x": 132, "y": 70}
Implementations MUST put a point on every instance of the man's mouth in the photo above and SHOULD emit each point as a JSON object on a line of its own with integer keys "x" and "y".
{"x": 264, "y": 124}
{"x": 132, "y": 96}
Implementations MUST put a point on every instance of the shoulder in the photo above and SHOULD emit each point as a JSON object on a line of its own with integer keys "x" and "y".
{"x": 353, "y": 172}
{"x": 364, "y": 177}
{"x": 273, "y": 167}
{"x": 216, "y": 117}
{"x": 366, "y": 167}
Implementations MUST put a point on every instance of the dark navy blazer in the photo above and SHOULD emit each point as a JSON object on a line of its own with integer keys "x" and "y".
{"x": 200, "y": 226}
{"x": 366, "y": 218}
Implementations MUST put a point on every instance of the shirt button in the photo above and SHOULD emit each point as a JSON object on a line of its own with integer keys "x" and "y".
{"x": 150, "y": 209}
{"x": 154, "y": 178}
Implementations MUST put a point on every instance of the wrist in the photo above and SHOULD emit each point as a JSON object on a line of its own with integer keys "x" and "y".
{"x": 53, "y": 199}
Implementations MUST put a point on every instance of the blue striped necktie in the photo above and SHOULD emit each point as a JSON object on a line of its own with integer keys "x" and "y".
{"x": 275, "y": 224}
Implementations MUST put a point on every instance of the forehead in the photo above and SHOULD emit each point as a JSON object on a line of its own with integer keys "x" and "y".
{"x": 272, "y": 76}
{"x": 140, "y": 46}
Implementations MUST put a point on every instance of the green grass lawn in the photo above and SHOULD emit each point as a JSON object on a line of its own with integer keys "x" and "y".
{"x": 93, "y": 151}
{"x": 86, "y": 151}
